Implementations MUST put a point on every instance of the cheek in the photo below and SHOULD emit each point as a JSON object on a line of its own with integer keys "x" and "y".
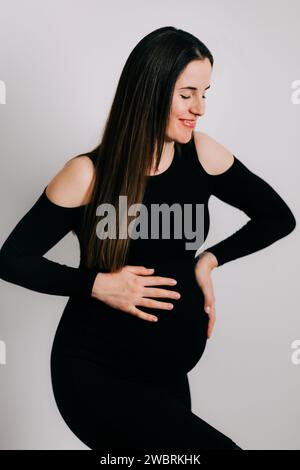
{"x": 179, "y": 109}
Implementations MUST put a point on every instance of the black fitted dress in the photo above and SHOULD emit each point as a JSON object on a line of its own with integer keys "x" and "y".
{"x": 121, "y": 382}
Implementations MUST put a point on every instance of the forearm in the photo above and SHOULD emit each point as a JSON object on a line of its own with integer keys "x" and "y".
{"x": 22, "y": 260}
{"x": 270, "y": 217}
{"x": 43, "y": 275}
{"x": 253, "y": 236}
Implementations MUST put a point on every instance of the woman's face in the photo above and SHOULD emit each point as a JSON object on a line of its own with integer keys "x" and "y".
{"x": 189, "y": 99}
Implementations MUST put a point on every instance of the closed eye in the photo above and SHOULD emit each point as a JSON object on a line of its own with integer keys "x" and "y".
{"x": 186, "y": 97}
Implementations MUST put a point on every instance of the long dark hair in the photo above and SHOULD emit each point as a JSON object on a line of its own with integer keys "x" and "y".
{"x": 135, "y": 132}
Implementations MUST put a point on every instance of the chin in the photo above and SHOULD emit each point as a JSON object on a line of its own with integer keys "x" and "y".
{"x": 181, "y": 136}
{"x": 184, "y": 137}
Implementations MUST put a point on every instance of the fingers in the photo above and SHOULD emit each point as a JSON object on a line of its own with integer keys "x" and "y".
{"x": 207, "y": 289}
{"x": 159, "y": 280}
{"x": 209, "y": 304}
{"x": 155, "y": 304}
{"x": 140, "y": 314}
{"x": 151, "y": 292}
{"x": 151, "y": 280}
{"x": 142, "y": 270}
{"x": 211, "y": 320}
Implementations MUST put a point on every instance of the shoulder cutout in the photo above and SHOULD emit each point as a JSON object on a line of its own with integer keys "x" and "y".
{"x": 214, "y": 158}
{"x": 72, "y": 186}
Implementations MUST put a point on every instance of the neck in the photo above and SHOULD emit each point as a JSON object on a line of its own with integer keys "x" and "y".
{"x": 166, "y": 156}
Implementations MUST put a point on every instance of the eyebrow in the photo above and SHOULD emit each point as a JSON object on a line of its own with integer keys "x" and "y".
{"x": 192, "y": 88}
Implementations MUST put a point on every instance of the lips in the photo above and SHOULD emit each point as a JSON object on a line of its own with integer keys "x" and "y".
{"x": 188, "y": 122}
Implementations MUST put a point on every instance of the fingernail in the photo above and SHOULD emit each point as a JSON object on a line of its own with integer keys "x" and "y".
{"x": 207, "y": 309}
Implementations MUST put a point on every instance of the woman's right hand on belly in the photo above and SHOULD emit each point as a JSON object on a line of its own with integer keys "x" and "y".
{"x": 128, "y": 287}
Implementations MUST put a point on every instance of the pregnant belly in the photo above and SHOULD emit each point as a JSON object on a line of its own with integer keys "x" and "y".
{"x": 133, "y": 346}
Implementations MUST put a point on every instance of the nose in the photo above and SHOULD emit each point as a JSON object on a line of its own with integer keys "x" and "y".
{"x": 198, "y": 108}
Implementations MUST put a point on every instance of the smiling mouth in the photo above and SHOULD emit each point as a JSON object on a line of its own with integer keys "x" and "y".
{"x": 188, "y": 122}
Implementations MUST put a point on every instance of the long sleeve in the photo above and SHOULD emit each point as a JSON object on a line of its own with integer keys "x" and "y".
{"x": 21, "y": 256}
{"x": 270, "y": 217}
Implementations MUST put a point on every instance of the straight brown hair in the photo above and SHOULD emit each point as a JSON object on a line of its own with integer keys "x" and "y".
{"x": 134, "y": 133}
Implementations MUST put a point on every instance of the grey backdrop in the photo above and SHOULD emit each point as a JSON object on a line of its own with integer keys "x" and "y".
{"x": 59, "y": 65}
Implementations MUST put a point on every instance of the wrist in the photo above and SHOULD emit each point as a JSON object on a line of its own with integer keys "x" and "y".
{"x": 96, "y": 285}
{"x": 207, "y": 258}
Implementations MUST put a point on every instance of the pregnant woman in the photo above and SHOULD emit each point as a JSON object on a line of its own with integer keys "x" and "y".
{"x": 119, "y": 378}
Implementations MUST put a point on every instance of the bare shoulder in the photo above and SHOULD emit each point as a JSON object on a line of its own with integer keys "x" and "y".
{"x": 72, "y": 186}
{"x": 213, "y": 156}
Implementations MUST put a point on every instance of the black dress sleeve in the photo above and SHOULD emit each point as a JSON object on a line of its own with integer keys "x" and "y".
{"x": 270, "y": 217}
{"x": 21, "y": 256}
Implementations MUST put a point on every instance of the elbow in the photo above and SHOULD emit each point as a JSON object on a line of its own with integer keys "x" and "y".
{"x": 8, "y": 266}
{"x": 4, "y": 267}
{"x": 289, "y": 223}
{"x": 286, "y": 224}
{"x": 279, "y": 226}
